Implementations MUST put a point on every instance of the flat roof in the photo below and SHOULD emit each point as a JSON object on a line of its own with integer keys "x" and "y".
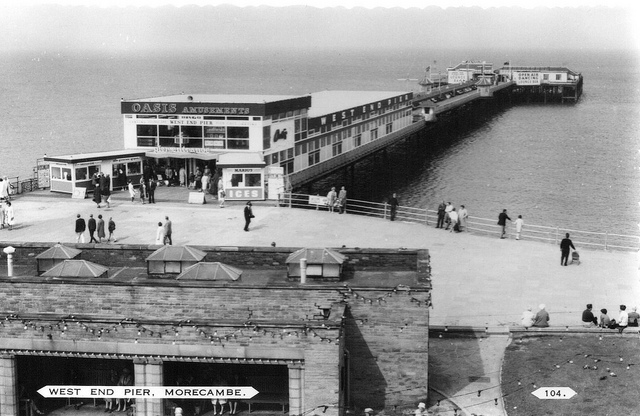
{"x": 327, "y": 102}
{"x": 218, "y": 98}
{"x": 86, "y": 157}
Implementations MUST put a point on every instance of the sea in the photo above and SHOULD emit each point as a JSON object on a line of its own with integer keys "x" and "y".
{"x": 568, "y": 165}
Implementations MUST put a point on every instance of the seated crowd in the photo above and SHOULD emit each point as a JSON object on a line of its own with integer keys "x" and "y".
{"x": 624, "y": 318}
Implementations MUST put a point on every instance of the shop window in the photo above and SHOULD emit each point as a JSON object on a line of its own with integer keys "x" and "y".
{"x": 214, "y": 143}
{"x": 81, "y": 174}
{"x": 314, "y": 157}
{"x": 134, "y": 168}
{"x": 93, "y": 170}
{"x": 192, "y": 143}
{"x": 215, "y": 132}
{"x": 237, "y": 118}
{"x": 66, "y": 174}
{"x": 168, "y": 131}
{"x": 166, "y": 142}
{"x": 56, "y": 173}
{"x": 236, "y": 179}
{"x": 148, "y": 142}
{"x": 253, "y": 179}
{"x": 238, "y": 132}
{"x": 238, "y": 144}
{"x": 146, "y": 130}
{"x": 191, "y": 131}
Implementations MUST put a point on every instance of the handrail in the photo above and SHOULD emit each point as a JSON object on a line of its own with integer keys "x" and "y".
{"x": 477, "y": 225}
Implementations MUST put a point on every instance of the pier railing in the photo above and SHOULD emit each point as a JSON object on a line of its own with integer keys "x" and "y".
{"x": 476, "y": 225}
{"x": 18, "y": 186}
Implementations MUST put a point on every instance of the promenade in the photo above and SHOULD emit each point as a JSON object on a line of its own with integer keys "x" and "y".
{"x": 478, "y": 281}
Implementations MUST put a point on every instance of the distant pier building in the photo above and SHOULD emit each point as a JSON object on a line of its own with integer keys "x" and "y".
{"x": 546, "y": 83}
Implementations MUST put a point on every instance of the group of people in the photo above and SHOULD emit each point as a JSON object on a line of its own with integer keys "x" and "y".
{"x": 95, "y": 227}
{"x": 164, "y": 231}
{"x": 147, "y": 190}
{"x": 451, "y": 219}
{"x": 624, "y": 320}
{"x": 502, "y": 222}
{"x": 101, "y": 189}
{"x": 117, "y": 404}
{"x": 337, "y": 201}
{"x": 539, "y": 319}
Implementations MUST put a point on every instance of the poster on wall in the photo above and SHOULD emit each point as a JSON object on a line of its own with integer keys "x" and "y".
{"x": 282, "y": 134}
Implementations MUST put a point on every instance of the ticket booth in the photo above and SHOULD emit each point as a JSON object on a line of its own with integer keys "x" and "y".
{"x": 73, "y": 173}
{"x": 243, "y": 176}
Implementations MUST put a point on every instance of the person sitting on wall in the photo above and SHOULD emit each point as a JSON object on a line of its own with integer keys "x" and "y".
{"x": 588, "y": 320}
{"x": 634, "y": 317}
{"x": 542, "y": 317}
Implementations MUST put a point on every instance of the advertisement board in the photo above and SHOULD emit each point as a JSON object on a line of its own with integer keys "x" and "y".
{"x": 526, "y": 78}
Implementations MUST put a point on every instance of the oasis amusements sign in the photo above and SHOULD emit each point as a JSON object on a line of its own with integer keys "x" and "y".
{"x": 168, "y": 108}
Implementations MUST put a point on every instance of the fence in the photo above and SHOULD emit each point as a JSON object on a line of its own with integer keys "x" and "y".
{"x": 476, "y": 225}
{"x": 18, "y": 186}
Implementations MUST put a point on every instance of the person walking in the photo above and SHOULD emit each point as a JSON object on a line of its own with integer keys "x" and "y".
{"x": 9, "y": 215}
{"x": 132, "y": 191}
{"x": 81, "y": 226}
{"x": 97, "y": 198}
{"x": 183, "y": 176}
{"x": 92, "y": 228}
{"x": 152, "y": 191}
{"x": 112, "y": 228}
{"x": 565, "y": 247}
{"x": 342, "y": 198}
{"x": 105, "y": 189}
{"x": 100, "y": 230}
{"x": 161, "y": 235}
{"x": 168, "y": 230}
{"x": 394, "y": 206}
{"x": 248, "y": 214}
{"x": 142, "y": 190}
{"x": 462, "y": 218}
{"x": 519, "y": 223}
{"x": 331, "y": 199}
{"x": 441, "y": 208}
{"x": 453, "y": 217}
{"x": 221, "y": 195}
{"x": 502, "y": 221}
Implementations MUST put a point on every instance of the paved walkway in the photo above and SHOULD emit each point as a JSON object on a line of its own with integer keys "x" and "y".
{"x": 478, "y": 281}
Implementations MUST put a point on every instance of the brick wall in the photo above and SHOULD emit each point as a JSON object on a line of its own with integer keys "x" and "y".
{"x": 385, "y": 328}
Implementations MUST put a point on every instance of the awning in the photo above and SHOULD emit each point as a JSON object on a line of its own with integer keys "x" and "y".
{"x": 183, "y": 155}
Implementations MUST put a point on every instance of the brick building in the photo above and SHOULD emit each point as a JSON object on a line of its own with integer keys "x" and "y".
{"x": 319, "y": 347}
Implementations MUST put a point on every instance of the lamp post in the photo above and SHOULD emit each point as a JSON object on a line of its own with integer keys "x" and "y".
{"x": 9, "y": 252}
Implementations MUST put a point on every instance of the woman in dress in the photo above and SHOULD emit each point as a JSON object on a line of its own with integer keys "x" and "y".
{"x": 160, "y": 235}
{"x": 100, "y": 228}
{"x": 132, "y": 191}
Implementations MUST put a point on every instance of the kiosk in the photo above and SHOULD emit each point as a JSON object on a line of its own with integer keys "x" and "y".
{"x": 71, "y": 173}
{"x": 243, "y": 176}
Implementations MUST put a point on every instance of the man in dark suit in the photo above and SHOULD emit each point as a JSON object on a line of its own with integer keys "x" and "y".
{"x": 92, "y": 228}
{"x": 152, "y": 191}
{"x": 565, "y": 246}
{"x": 502, "y": 221}
{"x": 80, "y": 227}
